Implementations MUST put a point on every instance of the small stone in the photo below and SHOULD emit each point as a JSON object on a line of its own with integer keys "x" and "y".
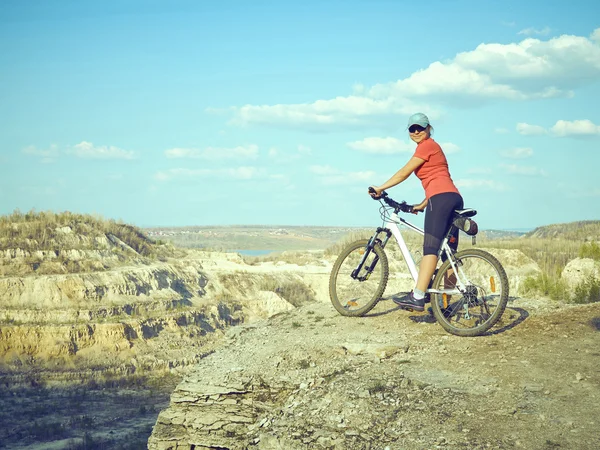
{"x": 578, "y": 377}
{"x": 534, "y": 388}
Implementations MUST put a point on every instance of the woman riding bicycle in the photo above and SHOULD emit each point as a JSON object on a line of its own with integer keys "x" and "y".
{"x": 441, "y": 199}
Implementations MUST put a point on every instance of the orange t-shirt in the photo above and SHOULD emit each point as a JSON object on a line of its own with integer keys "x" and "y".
{"x": 433, "y": 173}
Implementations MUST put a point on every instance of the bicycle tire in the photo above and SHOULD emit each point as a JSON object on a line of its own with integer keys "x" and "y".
{"x": 482, "y": 270}
{"x": 344, "y": 290}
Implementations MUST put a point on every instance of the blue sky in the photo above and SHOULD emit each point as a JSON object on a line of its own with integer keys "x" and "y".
{"x": 233, "y": 112}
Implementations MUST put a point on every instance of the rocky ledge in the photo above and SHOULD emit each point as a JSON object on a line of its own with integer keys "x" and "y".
{"x": 310, "y": 379}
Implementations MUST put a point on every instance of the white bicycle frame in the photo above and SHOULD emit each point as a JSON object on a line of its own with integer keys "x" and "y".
{"x": 392, "y": 224}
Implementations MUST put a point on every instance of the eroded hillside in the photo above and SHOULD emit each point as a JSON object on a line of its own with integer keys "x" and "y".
{"x": 84, "y": 304}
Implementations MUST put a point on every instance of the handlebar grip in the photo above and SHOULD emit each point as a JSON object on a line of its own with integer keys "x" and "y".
{"x": 380, "y": 196}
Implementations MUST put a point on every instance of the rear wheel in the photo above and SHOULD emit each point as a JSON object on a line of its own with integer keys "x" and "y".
{"x": 478, "y": 307}
{"x": 357, "y": 296}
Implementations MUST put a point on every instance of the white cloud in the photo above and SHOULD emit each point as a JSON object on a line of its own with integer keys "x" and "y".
{"x": 84, "y": 149}
{"x": 481, "y": 184}
{"x": 523, "y": 170}
{"x": 382, "y": 146}
{"x": 562, "y": 128}
{"x": 358, "y": 88}
{"x": 321, "y": 114}
{"x": 586, "y": 127}
{"x": 304, "y": 150}
{"x": 279, "y": 156}
{"x": 479, "y": 171}
{"x": 446, "y": 81}
{"x": 529, "y": 69}
{"x": 517, "y": 153}
{"x": 331, "y": 176}
{"x": 449, "y": 147}
{"x": 560, "y": 63}
{"x": 392, "y": 146}
{"x": 214, "y": 153}
{"x": 234, "y": 173}
{"x": 87, "y": 150}
{"x": 324, "y": 170}
{"x": 530, "y": 130}
{"x": 534, "y": 31}
{"x": 47, "y": 155}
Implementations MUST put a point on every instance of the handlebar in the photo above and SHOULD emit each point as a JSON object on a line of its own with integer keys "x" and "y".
{"x": 403, "y": 206}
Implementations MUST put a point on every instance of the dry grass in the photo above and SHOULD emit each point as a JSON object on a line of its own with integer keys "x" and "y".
{"x": 300, "y": 258}
{"x": 552, "y": 255}
{"x": 47, "y": 242}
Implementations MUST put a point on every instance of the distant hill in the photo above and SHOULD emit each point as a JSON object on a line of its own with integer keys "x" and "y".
{"x": 500, "y": 234}
{"x": 588, "y": 230}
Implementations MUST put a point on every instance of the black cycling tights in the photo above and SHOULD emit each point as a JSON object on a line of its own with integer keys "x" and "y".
{"x": 438, "y": 215}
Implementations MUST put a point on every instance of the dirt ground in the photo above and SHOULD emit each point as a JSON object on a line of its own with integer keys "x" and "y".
{"x": 533, "y": 382}
{"x": 396, "y": 380}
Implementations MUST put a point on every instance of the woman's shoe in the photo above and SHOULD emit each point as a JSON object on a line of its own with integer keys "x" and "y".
{"x": 408, "y": 301}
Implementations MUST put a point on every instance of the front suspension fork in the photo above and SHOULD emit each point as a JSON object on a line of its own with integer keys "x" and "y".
{"x": 368, "y": 249}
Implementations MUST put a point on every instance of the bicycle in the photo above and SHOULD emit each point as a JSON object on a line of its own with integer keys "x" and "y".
{"x": 468, "y": 292}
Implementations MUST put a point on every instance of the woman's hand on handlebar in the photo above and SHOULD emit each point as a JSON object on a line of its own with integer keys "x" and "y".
{"x": 420, "y": 207}
{"x": 375, "y": 191}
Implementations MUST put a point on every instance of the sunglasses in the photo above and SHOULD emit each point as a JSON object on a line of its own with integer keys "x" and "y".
{"x": 416, "y": 128}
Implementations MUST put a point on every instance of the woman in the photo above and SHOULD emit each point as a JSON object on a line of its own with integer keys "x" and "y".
{"x": 441, "y": 199}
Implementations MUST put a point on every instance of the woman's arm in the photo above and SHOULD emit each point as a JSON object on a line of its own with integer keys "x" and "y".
{"x": 413, "y": 164}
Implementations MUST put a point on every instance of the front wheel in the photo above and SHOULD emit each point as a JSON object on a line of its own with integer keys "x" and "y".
{"x": 356, "y": 296}
{"x": 476, "y": 308}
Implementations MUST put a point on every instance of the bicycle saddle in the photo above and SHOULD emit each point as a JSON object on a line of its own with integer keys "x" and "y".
{"x": 467, "y": 212}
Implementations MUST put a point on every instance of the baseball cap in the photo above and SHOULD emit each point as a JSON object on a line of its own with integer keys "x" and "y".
{"x": 418, "y": 119}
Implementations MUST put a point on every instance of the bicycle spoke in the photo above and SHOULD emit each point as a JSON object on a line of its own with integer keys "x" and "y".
{"x": 358, "y": 279}
{"x": 484, "y": 287}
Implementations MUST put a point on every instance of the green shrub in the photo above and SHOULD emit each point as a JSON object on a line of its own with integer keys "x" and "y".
{"x": 295, "y": 292}
{"x": 544, "y": 284}
{"x": 588, "y": 291}
{"x": 591, "y": 250}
